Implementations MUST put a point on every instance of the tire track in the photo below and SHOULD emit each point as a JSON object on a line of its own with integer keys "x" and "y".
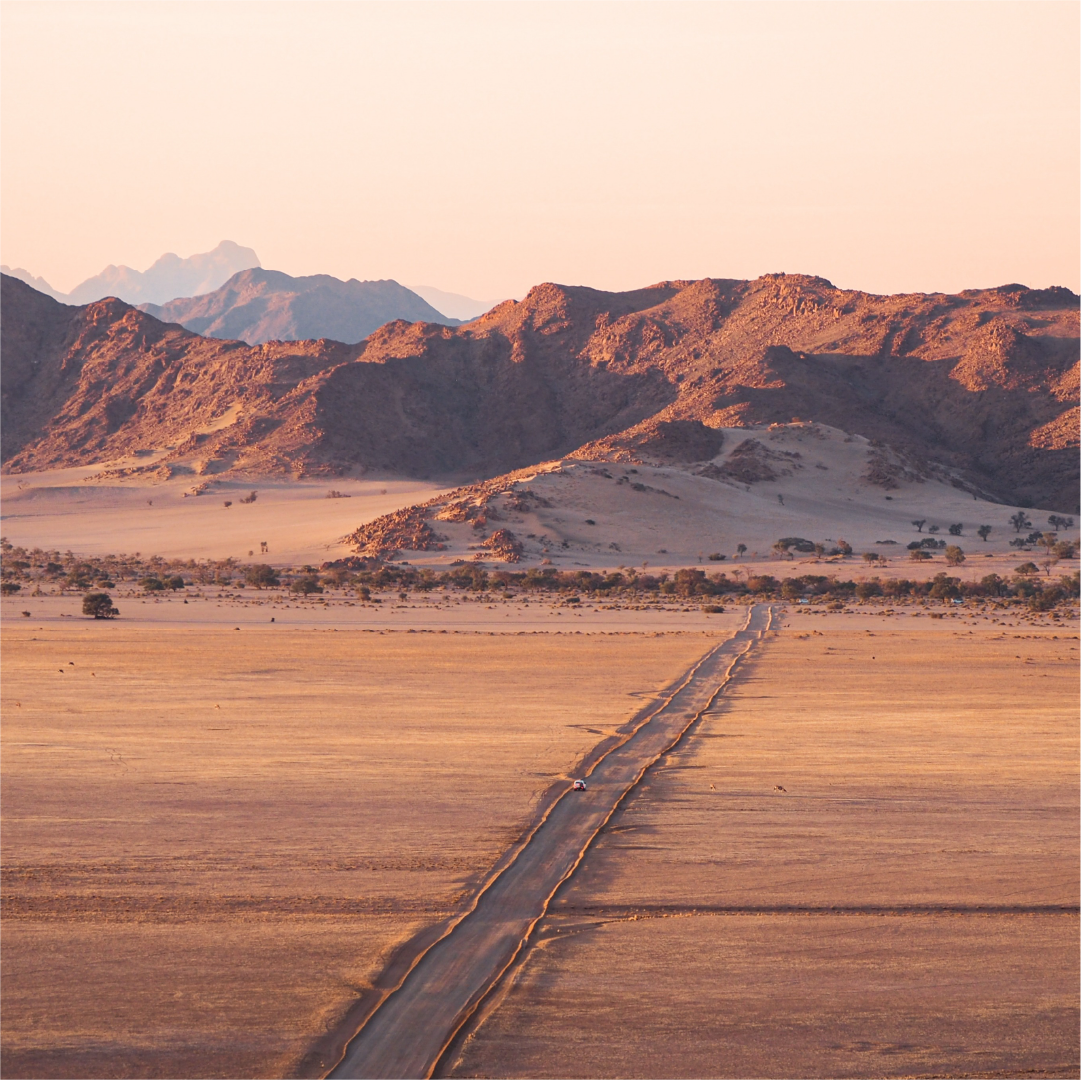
{"x": 411, "y": 1029}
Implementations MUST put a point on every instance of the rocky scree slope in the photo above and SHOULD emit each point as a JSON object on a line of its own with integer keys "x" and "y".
{"x": 984, "y": 382}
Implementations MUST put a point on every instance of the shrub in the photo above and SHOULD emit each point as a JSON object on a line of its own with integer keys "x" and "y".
{"x": 8, "y": 589}
{"x": 261, "y": 575}
{"x": 100, "y": 606}
{"x": 250, "y": 498}
{"x": 844, "y": 547}
{"x": 306, "y": 585}
{"x": 151, "y": 583}
{"x": 175, "y": 582}
{"x": 715, "y": 556}
{"x": 1045, "y": 599}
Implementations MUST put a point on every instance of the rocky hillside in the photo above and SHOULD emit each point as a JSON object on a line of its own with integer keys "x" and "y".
{"x": 984, "y": 383}
{"x": 258, "y": 306}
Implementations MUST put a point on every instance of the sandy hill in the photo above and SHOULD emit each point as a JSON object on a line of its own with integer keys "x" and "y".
{"x": 809, "y": 482}
{"x": 258, "y": 306}
{"x": 983, "y": 385}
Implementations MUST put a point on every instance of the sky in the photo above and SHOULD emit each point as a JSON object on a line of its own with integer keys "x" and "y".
{"x": 486, "y": 147}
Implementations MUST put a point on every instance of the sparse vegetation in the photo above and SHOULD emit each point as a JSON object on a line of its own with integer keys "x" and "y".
{"x": 250, "y": 498}
{"x": 335, "y": 494}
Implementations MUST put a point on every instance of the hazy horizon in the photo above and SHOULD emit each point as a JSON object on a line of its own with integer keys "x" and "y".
{"x": 485, "y": 148}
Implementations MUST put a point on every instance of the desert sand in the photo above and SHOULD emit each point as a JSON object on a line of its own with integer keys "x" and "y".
{"x": 863, "y": 862}
{"x": 70, "y": 509}
{"x": 214, "y": 841}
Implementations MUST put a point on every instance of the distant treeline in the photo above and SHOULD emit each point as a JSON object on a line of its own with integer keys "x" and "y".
{"x": 36, "y": 568}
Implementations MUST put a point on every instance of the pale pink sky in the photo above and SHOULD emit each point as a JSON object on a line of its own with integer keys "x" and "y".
{"x": 485, "y": 147}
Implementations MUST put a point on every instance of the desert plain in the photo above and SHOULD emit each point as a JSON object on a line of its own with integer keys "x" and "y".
{"x": 861, "y": 862}
{"x": 378, "y": 606}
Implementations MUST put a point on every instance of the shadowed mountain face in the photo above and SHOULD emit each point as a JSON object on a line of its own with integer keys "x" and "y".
{"x": 985, "y": 383}
{"x": 265, "y": 305}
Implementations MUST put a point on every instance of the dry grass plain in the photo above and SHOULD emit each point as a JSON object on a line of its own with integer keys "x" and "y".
{"x": 863, "y": 863}
{"x": 214, "y": 840}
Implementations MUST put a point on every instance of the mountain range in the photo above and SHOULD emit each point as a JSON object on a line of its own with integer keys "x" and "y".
{"x": 257, "y": 306}
{"x": 982, "y": 385}
{"x": 169, "y": 277}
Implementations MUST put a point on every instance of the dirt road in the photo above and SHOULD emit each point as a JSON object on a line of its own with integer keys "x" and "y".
{"x": 412, "y": 1027}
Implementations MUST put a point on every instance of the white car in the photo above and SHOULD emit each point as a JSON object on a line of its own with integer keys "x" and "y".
{"x": 579, "y": 786}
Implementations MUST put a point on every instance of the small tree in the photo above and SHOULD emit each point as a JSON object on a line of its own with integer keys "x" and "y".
{"x": 261, "y": 575}
{"x": 918, "y": 555}
{"x": 1020, "y": 521}
{"x": 954, "y": 556}
{"x": 1058, "y": 522}
{"x": 1027, "y": 568}
{"x": 844, "y": 547}
{"x": 306, "y": 585}
{"x": 175, "y": 582}
{"x": 957, "y": 529}
{"x": 740, "y": 549}
{"x": 870, "y": 557}
{"x": 1048, "y": 540}
{"x": 781, "y": 548}
{"x": 984, "y": 532}
{"x": 100, "y": 606}
{"x": 933, "y": 528}
{"x": 919, "y": 523}
{"x": 820, "y": 549}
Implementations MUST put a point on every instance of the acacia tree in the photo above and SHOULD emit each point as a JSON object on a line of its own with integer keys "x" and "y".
{"x": 984, "y": 532}
{"x": 740, "y": 549}
{"x": 1020, "y": 521}
{"x": 919, "y": 524}
{"x": 100, "y": 606}
{"x": 954, "y": 555}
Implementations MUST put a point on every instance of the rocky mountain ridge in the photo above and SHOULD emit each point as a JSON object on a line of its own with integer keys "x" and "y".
{"x": 257, "y": 306}
{"x": 984, "y": 383}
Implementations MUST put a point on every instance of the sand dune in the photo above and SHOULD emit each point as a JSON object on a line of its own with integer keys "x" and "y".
{"x": 793, "y": 480}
